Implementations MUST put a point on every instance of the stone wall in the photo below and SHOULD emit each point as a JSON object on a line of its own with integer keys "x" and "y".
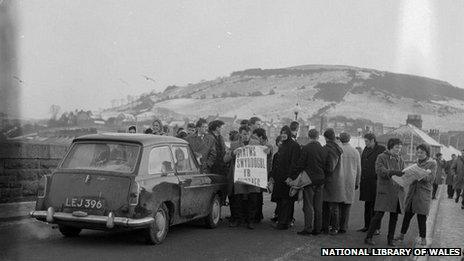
{"x": 22, "y": 164}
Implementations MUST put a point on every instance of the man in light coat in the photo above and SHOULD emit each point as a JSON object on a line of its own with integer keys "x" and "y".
{"x": 347, "y": 182}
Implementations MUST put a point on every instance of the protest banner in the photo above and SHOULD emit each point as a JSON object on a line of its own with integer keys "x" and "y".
{"x": 251, "y": 166}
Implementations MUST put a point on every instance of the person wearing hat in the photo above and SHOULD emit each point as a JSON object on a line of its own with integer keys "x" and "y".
{"x": 330, "y": 210}
{"x": 419, "y": 197}
{"x": 457, "y": 170}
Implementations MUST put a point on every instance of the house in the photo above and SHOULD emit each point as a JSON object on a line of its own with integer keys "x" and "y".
{"x": 411, "y": 136}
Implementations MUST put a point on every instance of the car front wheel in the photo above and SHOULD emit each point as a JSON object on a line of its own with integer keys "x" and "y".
{"x": 158, "y": 230}
{"x": 68, "y": 231}
{"x": 212, "y": 220}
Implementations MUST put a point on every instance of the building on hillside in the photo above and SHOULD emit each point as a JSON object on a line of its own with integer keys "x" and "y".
{"x": 415, "y": 120}
{"x": 411, "y": 136}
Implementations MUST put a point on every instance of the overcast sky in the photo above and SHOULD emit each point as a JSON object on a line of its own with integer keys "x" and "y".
{"x": 83, "y": 54}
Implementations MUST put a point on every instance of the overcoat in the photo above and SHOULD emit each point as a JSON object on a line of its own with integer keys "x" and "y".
{"x": 332, "y": 185}
{"x": 368, "y": 184}
{"x": 349, "y": 174}
{"x": 419, "y": 194}
{"x": 389, "y": 194}
{"x": 457, "y": 170}
{"x": 203, "y": 146}
{"x": 440, "y": 173}
{"x": 449, "y": 176}
{"x": 219, "y": 166}
{"x": 286, "y": 160}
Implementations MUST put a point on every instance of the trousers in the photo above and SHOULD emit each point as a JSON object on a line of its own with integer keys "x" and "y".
{"x": 312, "y": 208}
{"x": 285, "y": 207}
{"x": 248, "y": 207}
{"x": 421, "y": 221}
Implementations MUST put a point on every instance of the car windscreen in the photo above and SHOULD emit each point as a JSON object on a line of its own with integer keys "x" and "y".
{"x": 106, "y": 156}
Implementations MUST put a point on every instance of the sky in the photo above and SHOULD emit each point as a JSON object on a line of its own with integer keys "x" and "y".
{"x": 82, "y": 54}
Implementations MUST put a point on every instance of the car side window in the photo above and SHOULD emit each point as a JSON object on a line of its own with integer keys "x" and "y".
{"x": 160, "y": 161}
{"x": 183, "y": 160}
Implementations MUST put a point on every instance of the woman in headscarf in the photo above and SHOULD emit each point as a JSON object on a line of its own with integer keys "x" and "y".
{"x": 419, "y": 195}
{"x": 287, "y": 158}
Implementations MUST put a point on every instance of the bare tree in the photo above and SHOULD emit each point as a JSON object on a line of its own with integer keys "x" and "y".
{"x": 54, "y": 110}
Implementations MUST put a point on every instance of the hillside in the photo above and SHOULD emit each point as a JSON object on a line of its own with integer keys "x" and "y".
{"x": 319, "y": 90}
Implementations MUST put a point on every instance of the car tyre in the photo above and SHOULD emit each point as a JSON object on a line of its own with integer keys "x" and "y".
{"x": 158, "y": 230}
{"x": 214, "y": 216}
{"x": 68, "y": 231}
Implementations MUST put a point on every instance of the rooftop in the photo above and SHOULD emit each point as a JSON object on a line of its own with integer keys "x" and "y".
{"x": 143, "y": 139}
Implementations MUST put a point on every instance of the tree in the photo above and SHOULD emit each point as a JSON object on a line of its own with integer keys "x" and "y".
{"x": 54, "y": 110}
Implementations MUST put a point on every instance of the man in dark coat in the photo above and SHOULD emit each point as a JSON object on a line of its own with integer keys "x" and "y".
{"x": 215, "y": 129}
{"x": 368, "y": 185}
{"x": 330, "y": 209}
{"x": 449, "y": 176}
{"x": 313, "y": 161}
{"x": 287, "y": 158}
{"x": 203, "y": 146}
{"x": 457, "y": 170}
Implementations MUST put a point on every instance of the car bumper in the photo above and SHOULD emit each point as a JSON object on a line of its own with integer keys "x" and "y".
{"x": 110, "y": 221}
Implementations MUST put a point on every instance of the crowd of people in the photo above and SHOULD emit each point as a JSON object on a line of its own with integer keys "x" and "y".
{"x": 323, "y": 177}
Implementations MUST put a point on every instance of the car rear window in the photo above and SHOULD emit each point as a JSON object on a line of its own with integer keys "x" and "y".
{"x": 118, "y": 157}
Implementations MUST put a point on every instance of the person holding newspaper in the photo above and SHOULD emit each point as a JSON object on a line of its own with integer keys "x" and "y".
{"x": 420, "y": 195}
{"x": 389, "y": 197}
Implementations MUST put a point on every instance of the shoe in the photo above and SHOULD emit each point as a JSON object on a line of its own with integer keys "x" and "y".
{"x": 315, "y": 233}
{"x": 274, "y": 219}
{"x": 376, "y": 232}
{"x": 280, "y": 226}
{"x": 364, "y": 229}
{"x": 462, "y": 207}
{"x": 251, "y": 225}
{"x": 391, "y": 243}
{"x": 369, "y": 241}
{"x": 399, "y": 239}
{"x": 341, "y": 231}
{"x": 434, "y": 198}
{"x": 333, "y": 232}
{"x": 303, "y": 233}
{"x": 292, "y": 223}
{"x": 423, "y": 242}
{"x": 234, "y": 224}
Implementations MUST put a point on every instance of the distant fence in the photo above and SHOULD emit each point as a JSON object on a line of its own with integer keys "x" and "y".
{"x": 22, "y": 164}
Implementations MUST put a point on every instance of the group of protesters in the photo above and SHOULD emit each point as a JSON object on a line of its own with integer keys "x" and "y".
{"x": 323, "y": 177}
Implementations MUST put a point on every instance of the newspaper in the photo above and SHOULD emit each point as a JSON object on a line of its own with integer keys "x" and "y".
{"x": 411, "y": 174}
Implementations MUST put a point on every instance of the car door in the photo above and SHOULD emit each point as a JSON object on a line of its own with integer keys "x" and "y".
{"x": 196, "y": 188}
{"x": 159, "y": 184}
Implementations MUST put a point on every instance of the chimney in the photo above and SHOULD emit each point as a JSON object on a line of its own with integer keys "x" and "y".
{"x": 415, "y": 119}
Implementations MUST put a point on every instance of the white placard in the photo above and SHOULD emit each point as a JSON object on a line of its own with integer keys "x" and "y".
{"x": 251, "y": 166}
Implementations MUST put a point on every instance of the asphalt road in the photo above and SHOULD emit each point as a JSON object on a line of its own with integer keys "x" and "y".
{"x": 33, "y": 240}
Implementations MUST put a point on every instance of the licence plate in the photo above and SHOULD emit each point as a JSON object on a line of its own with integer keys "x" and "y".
{"x": 89, "y": 203}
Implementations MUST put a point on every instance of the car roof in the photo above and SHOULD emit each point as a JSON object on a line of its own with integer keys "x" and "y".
{"x": 143, "y": 139}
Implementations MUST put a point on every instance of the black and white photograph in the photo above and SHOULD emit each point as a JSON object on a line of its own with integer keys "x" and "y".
{"x": 231, "y": 130}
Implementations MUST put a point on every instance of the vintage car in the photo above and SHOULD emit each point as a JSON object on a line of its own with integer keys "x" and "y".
{"x": 129, "y": 181}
